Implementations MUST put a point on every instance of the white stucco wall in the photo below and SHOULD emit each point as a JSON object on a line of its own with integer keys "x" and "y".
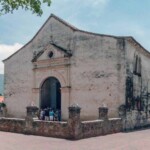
{"x": 18, "y": 82}
{"x": 19, "y": 75}
{"x": 96, "y": 75}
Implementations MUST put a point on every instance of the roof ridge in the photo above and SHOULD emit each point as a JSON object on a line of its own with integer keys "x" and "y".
{"x": 139, "y": 45}
{"x": 83, "y": 31}
{"x": 64, "y": 22}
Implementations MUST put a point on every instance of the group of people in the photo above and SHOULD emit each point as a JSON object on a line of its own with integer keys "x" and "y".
{"x": 49, "y": 114}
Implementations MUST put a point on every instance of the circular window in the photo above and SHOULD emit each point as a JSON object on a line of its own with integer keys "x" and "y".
{"x": 51, "y": 54}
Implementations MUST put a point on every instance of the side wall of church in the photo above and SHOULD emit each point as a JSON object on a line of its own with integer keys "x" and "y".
{"x": 137, "y": 85}
{"x": 97, "y": 74}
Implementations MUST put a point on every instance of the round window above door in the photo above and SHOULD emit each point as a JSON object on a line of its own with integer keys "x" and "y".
{"x": 51, "y": 54}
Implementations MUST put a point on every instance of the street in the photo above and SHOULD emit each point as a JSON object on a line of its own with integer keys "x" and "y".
{"x": 138, "y": 140}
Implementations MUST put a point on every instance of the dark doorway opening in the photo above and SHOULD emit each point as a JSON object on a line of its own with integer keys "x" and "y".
{"x": 51, "y": 94}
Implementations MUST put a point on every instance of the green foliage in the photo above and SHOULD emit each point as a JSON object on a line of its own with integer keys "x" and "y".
{"x": 8, "y": 6}
{"x": 2, "y": 104}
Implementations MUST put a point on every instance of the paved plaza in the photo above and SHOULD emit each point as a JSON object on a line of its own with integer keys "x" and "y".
{"x": 139, "y": 140}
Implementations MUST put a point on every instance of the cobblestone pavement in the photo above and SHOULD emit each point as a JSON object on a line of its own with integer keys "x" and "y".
{"x": 139, "y": 140}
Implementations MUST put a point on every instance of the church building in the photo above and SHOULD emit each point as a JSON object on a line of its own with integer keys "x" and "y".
{"x": 63, "y": 65}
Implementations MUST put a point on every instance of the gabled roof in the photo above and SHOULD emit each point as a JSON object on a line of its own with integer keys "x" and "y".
{"x": 129, "y": 38}
{"x": 67, "y": 52}
{"x": 51, "y": 16}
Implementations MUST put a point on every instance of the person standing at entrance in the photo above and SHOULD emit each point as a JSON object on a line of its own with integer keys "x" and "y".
{"x": 51, "y": 115}
{"x": 59, "y": 115}
{"x": 42, "y": 114}
{"x": 47, "y": 114}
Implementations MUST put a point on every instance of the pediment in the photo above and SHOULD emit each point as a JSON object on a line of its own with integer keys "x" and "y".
{"x": 51, "y": 52}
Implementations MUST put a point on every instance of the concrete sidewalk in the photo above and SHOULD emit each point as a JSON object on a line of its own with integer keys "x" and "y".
{"x": 139, "y": 140}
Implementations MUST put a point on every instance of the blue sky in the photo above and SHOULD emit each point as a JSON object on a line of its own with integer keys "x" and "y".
{"x": 114, "y": 17}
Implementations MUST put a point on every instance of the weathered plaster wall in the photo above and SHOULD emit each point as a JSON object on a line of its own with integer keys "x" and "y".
{"x": 137, "y": 87}
{"x": 97, "y": 74}
{"x": 18, "y": 82}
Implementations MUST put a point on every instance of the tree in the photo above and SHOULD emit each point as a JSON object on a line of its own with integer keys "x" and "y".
{"x": 8, "y": 6}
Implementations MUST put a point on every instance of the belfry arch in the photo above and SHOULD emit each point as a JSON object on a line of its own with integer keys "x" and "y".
{"x": 50, "y": 94}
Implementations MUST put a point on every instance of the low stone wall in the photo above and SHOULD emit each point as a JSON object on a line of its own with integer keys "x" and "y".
{"x": 134, "y": 120}
{"x": 115, "y": 125}
{"x": 92, "y": 128}
{"x": 60, "y": 129}
{"x": 73, "y": 129}
{"x": 12, "y": 125}
{"x": 101, "y": 127}
{"x": 34, "y": 127}
{"x": 50, "y": 129}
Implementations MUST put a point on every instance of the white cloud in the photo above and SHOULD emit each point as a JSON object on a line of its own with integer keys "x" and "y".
{"x": 6, "y": 51}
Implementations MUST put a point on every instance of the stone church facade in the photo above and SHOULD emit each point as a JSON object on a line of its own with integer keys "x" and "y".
{"x": 63, "y": 65}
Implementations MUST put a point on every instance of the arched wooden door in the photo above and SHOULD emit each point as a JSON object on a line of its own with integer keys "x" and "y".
{"x": 51, "y": 94}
